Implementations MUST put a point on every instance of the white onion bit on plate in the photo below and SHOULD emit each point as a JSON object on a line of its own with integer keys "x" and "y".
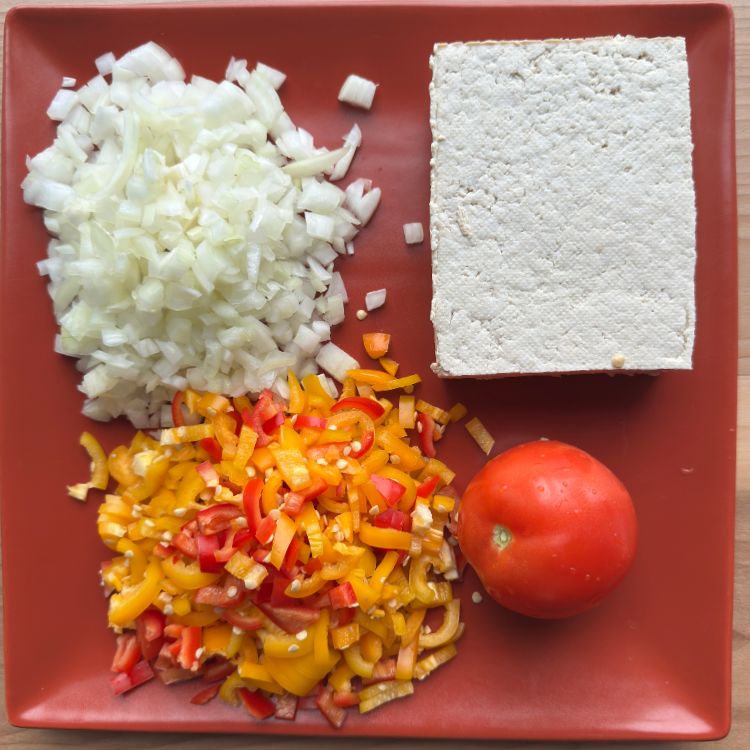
{"x": 194, "y": 234}
{"x": 375, "y": 299}
{"x": 413, "y": 233}
{"x": 357, "y": 91}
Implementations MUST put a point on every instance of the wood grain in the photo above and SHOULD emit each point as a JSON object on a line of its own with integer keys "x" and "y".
{"x": 739, "y": 736}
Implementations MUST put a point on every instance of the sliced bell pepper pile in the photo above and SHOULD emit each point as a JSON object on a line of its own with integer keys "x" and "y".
{"x": 284, "y": 553}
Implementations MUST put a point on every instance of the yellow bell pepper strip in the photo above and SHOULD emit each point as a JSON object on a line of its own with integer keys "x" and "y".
{"x": 389, "y": 365}
{"x": 300, "y": 589}
{"x": 341, "y": 678}
{"x": 406, "y": 412}
{"x": 344, "y": 636}
{"x": 216, "y": 639}
{"x": 457, "y": 411}
{"x": 228, "y": 689}
{"x": 211, "y": 404}
{"x": 120, "y": 465}
{"x": 317, "y": 396}
{"x": 436, "y": 659}
{"x": 187, "y": 575}
{"x": 383, "y": 570}
{"x": 439, "y": 415}
{"x": 262, "y": 458}
{"x": 370, "y": 377}
{"x": 371, "y": 647}
{"x": 245, "y": 446}
{"x": 395, "y": 383}
{"x": 270, "y": 490}
{"x": 447, "y": 629}
{"x": 250, "y": 572}
{"x": 125, "y": 606}
{"x": 409, "y": 459}
{"x": 297, "y": 397}
{"x": 384, "y": 538}
{"x": 99, "y": 470}
{"x": 320, "y": 638}
{"x": 288, "y": 646}
{"x": 429, "y": 593}
{"x": 366, "y": 595}
{"x": 299, "y": 676}
{"x": 135, "y": 555}
{"x": 443, "y": 503}
{"x": 196, "y": 619}
{"x": 293, "y": 468}
{"x": 376, "y": 695}
{"x": 357, "y": 663}
{"x": 407, "y": 659}
{"x": 187, "y": 434}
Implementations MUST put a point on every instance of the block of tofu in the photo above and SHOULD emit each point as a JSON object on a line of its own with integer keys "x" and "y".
{"x": 562, "y": 208}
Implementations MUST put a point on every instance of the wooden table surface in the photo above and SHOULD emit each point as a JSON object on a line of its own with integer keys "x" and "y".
{"x": 739, "y": 736}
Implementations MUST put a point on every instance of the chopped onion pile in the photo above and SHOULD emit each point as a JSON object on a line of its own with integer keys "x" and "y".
{"x": 413, "y": 233}
{"x": 194, "y": 230}
{"x": 357, "y": 91}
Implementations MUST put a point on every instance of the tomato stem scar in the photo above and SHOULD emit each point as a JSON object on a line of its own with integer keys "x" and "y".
{"x": 501, "y": 536}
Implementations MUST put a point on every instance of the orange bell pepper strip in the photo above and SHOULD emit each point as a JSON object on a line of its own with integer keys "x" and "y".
{"x": 293, "y": 468}
{"x": 376, "y": 344}
{"x": 394, "y": 383}
{"x": 370, "y": 377}
{"x": 282, "y": 538}
{"x": 300, "y": 589}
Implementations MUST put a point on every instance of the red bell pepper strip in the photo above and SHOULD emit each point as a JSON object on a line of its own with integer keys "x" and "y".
{"x": 366, "y": 439}
{"x": 391, "y": 490}
{"x": 127, "y": 653}
{"x": 426, "y": 430}
{"x": 265, "y": 408}
{"x": 186, "y": 544}
{"x": 231, "y": 594}
{"x": 345, "y": 699}
{"x": 216, "y": 518}
{"x": 251, "y": 496}
{"x": 310, "y": 420}
{"x": 164, "y": 550}
{"x": 271, "y": 425}
{"x": 207, "y": 546}
{"x": 293, "y": 501}
{"x": 286, "y": 707}
{"x": 173, "y": 630}
{"x": 290, "y": 558}
{"x": 178, "y": 416}
{"x": 264, "y": 534}
{"x": 257, "y": 705}
{"x": 207, "y": 694}
{"x": 392, "y": 518}
{"x": 149, "y": 630}
{"x": 139, "y": 674}
{"x": 278, "y": 597}
{"x": 369, "y": 406}
{"x": 244, "y": 620}
{"x": 213, "y": 447}
{"x": 342, "y": 596}
{"x": 335, "y": 714}
{"x": 218, "y": 670}
{"x": 428, "y": 486}
{"x": 292, "y": 618}
{"x": 190, "y": 642}
{"x": 384, "y": 670}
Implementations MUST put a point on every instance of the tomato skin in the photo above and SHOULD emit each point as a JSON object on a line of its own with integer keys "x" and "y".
{"x": 549, "y": 529}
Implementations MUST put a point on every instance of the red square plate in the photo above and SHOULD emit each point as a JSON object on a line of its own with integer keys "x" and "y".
{"x": 653, "y": 661}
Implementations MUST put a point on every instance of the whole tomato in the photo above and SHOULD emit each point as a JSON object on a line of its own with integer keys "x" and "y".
{"x": 548, "y": 528}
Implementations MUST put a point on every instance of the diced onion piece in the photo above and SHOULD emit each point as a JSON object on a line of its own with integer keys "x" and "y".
{"x": 352, "y": 141}
{"x": 362, "y": 199}
{"x": 104, "y": 63}
{"x": 479, "y": 432}
{"x": 61, "y": 104}
{"x": 275, "y": 77}
{"x": 314, "y": 165}
{"x": 375, "y": 299}
{"x": 68, "y": 82}
{"x": 357, "y": 91}
{"x": 413, "y": 233}
{"x": 335, "y": 361}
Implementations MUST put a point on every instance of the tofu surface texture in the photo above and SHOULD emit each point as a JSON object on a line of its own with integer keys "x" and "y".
{"x": 562, "y": 209}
